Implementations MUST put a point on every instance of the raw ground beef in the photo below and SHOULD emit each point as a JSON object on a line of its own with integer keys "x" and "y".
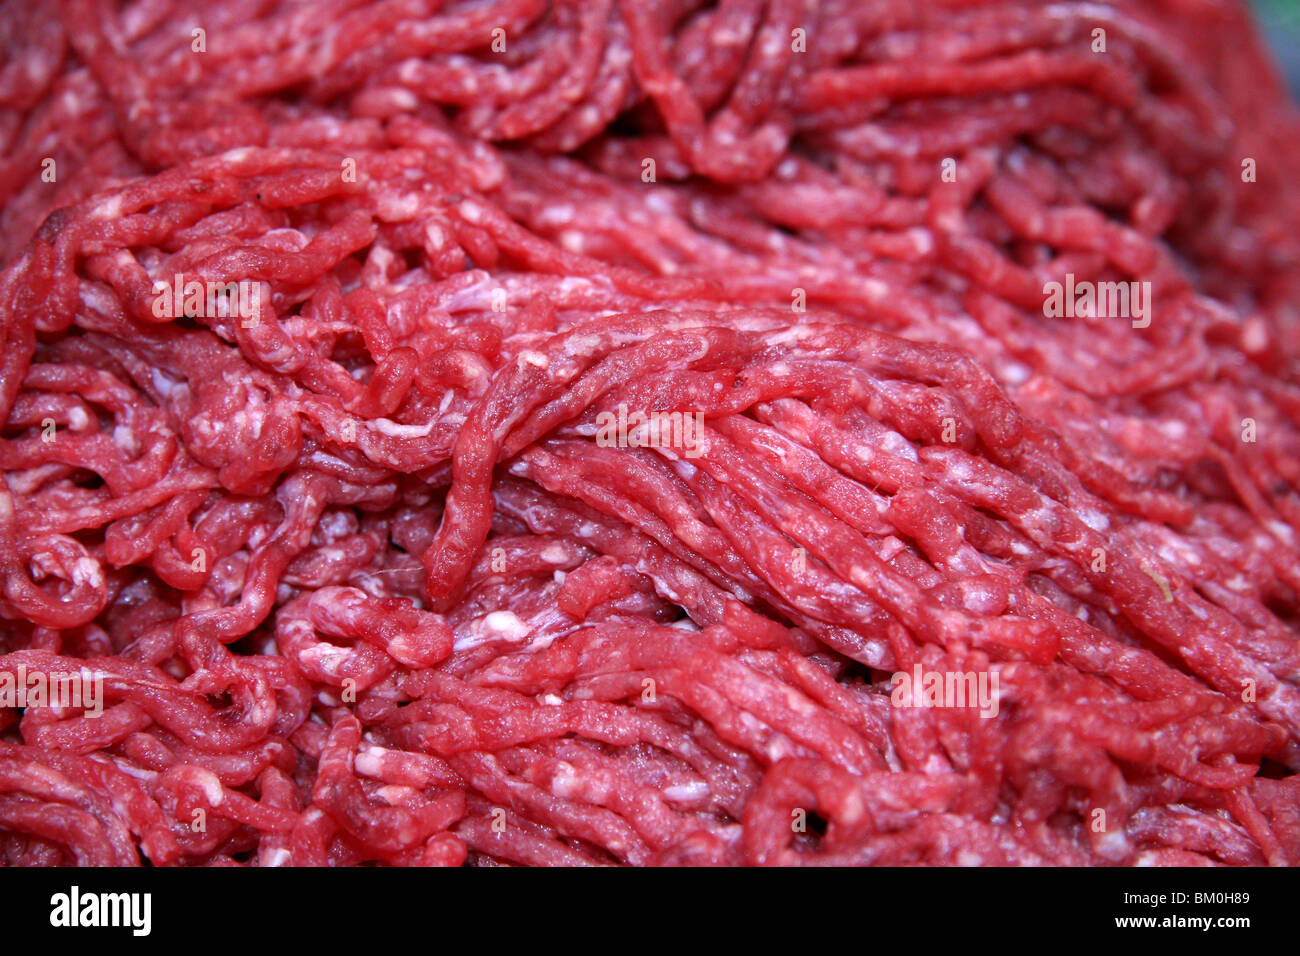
{"x": 362, "y": 582}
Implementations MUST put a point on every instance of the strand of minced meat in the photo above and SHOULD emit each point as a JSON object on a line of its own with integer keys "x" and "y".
{"x": 362, "y": 586}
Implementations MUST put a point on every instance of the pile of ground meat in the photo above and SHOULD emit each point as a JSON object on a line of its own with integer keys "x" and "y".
{"x": 365, "y": 574}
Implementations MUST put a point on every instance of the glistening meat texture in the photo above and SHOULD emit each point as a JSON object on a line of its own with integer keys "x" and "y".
{"x": 362, "y": 583}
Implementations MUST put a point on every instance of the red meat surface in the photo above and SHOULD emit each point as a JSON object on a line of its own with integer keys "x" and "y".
{"x": 362, "y": 582}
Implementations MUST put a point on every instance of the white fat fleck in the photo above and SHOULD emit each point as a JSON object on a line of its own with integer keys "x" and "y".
{"x": 1073, "y": 11}
{"x": 163, "y": 382}
{"x": 695, "y": 790}
{"x": 560, "y": 215}
{"x": 1040, "y": 517}
{"x": 552, "y": 700}
{"x": 470, "y": 211}
{"x": 896, "y": 444}
{"x": 1094, "y": 519}
{"x": 293, "y": 239}
{"x": 959, "y": 469}
{"x": 875, "y": 136}
{"x": 240, "y": 420}
{"x": 792, "y": 336}
{"x": 394, "y": 795}
{"x": 1282, "y": 531}
{"x": 370, "y": 762}
{"x": 124, "y": 439}
{"x": 471, "y": 368}
{"x": 399, "y": 208}
{"x": 110, "y": 208}
{"x": 658, "y": 202}
{"x": 1113, "y": 845}
{"x": 875, "y": 289}
{"x": 1174, "y": 429}
{"x": 1015, "y": 373}
{"x": 922, "y": 241}
{"x": 211, "y": 786}
{"x": 335, "y": 524}
{"x": 505, "y": 624}
{"x": 277, "y": 857}
{"x": 86, "y": 571}
{"x": 394, "y": 430}
{"x": 1254, "y": 335}
{"x": 701, "y": 350}
{"x": 554, "y": 554}
{"x": 404, "y": 100}
{"x": 130, "y": 769}
{"x": 565, "y": 783}
{"x": 533, "y": 358}
{"x": 380, "y": 257}
{"x": 327, "y": 657}
{"x": 890, "y": 547}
